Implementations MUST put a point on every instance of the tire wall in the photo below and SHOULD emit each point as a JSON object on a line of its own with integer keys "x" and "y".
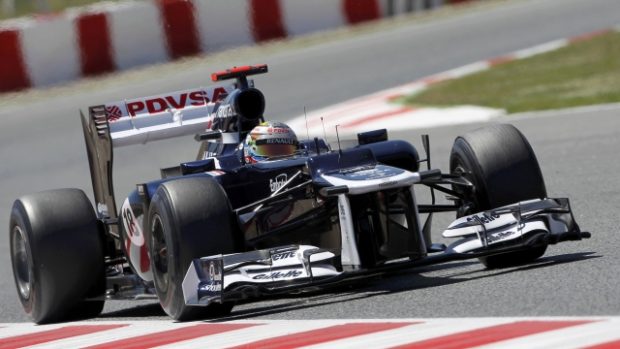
{"x": 107, "y": 37}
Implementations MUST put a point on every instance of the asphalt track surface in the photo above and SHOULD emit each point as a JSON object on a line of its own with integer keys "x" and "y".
{"x": 41, "y": 147}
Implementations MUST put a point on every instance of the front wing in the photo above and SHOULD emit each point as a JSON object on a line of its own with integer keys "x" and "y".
{"x": 287, "y": 269}
{"x": 241, "y": 275}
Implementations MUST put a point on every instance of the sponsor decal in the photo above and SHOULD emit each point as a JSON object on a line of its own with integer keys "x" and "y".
{"x": 213, "y": 269}
{"x": 113, "y": 113}
{"x": 278, "y": 141}
{"x": 131, "y": 225}
{"x": 499, "y": 236}
{"x": 225, "y": 111}
{"x": 283, "y": 255}
{"x": 276, "y": 183}
{"x": 158, "y": 104}
{"x": 211, "y": 288}
{"x": 364, "y": 173}
{"x": 273, "y": 130}
{"x": 484, "y": 218}
{"x": 387, "y": 183}
{"x": 213, "y": 278}
{"x": 343, "y": 214}
{"x": 278, "y": 275}
{"x": 214, "y": 273}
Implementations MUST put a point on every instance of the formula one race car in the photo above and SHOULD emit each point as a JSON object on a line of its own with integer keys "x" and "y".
{"x": 260, "y": 212}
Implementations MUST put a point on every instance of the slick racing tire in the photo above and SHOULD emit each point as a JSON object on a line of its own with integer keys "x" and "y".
{"x": 188, "y": 218}
{"x": 57, "y": 255}
{"x": 501, "y": 164}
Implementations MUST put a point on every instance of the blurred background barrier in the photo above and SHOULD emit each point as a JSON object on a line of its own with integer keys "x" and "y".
{"x": 49, "y": 47}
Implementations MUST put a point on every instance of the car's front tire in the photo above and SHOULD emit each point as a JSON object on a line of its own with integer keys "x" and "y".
{"x": 501, "y": 164}
{"x": 57, "y": 256}
{"x": 188, "y": 218}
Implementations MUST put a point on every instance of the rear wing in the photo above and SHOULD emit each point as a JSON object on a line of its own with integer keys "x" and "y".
{"x": 141, "y": 120}
{"x": 138, "y": 121}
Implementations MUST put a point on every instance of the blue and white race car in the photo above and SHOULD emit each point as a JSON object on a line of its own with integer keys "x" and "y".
{"x": 260, "y": 212}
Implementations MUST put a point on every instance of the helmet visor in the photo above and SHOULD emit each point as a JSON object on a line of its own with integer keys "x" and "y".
{"x": 273, "y": 150}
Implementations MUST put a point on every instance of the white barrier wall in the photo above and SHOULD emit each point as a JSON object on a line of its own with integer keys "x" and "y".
{"x": 223, "y": 24}
{"x": 136, "y": 33}
{"x": 50, "y": 51}
{"x": 107, "y": 37}
{"x": 302, "y": 16}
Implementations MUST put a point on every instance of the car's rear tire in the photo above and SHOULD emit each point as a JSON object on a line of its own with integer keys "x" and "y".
{"x": 501, "y": 164}
{"x": 57, "y": 256}
{"x": 188, "y": 218}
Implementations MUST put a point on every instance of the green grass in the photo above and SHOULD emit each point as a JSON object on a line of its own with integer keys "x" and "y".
{"x": 584, "y": 73}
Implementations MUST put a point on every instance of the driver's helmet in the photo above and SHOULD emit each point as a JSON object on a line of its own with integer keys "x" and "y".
{"x": 269, "y": 140}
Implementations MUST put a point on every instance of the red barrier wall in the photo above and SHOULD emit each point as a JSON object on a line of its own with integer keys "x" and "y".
{"x": 179, "y": 24}
{"x": 357, "y": 11}
{"x": 13, "y": 74}
{"x": 266, "y": 20}
{"x": 95, "y": 46}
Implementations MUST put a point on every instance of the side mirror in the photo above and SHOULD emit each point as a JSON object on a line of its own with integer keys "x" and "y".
{"x": 372, "y": 137}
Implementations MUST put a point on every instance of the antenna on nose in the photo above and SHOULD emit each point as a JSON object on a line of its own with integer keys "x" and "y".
{"x": 306, "y": 117}
{"x": 338, "y": 138}
{"x": 325, "y": 133}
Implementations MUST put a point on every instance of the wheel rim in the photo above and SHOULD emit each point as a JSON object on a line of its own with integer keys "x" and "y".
{"x": 159, "y": 253}
{"x": 21, "y": 263}
{"x": 467, "y": 205}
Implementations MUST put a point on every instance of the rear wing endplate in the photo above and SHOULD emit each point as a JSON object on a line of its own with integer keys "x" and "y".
{"x": 99, "y": 151}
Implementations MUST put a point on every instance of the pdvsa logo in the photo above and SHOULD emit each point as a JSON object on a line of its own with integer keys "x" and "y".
{"x": 276, "y": 183}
